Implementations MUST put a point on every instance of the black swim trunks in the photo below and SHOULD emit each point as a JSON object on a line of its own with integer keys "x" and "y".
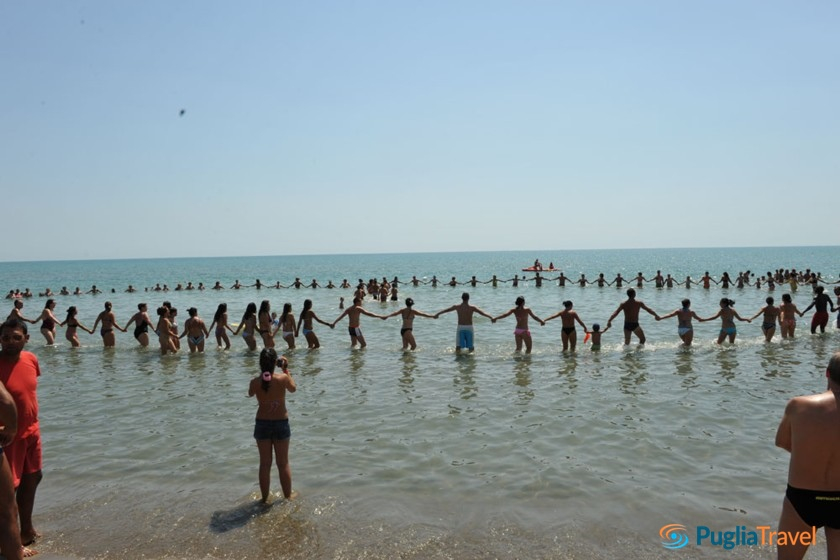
{"x": 817, "y": 508}
{"x": 275, "y": 430}
{"x": 628, "y": 326}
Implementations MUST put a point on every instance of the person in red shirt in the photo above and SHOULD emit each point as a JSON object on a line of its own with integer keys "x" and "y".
{"x": 19, "y": 372}
{"x": 10, "y": 545}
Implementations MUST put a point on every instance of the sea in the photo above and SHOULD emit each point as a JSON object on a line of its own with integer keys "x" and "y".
{"x": 427, "y": 454}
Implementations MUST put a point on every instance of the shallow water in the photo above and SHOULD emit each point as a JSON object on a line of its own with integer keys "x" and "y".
{"x": 425, "y": 454}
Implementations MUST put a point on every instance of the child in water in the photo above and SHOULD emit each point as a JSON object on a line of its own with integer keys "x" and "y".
{"x": 595, "y": 336}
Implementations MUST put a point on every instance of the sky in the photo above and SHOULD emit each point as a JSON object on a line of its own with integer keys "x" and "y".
{"x": 331, "y": 127}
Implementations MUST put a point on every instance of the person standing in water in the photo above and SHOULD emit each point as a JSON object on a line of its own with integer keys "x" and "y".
{"x": 71, "y": 324}
{"x": 771, "y": 317}
{"x": 142, "y": 322}
{"x": 685, "y": 329}
{"x": 408, "y": 314}
{"x": 631, "y": 308}
{"x": 195, "y": 330}
{"x": 464, "y": 336}
{"x": 305, "y": 323}
{"x": 354, "y": 313}
{"x": 220, "y": 326}
{"x": 727, "y": 317}
{"x": 49, "y": 321}
{"x": 271, "y": 425}
{"x": 109, "y": 323}
{"x": 568, "y": 316}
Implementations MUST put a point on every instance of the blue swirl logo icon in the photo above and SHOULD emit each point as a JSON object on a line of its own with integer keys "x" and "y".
{"x": 673, "y": 536}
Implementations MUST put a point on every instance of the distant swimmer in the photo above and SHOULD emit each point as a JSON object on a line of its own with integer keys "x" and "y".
{"x": 236, "y": 285}
{"x": 630, "y": 308}
{"x": 218, "y": 286}
{"x": 771, "y": 317}
{"x": 521, "y": 334}
{"x": 822, "y": 302}
{"x": 434, "y": 281}
{"x": 287, "y": 326}
{"x": 314, "y": 284}
{"x": 706, "y": 281}
{"x": 271, "y": 426}
{"x": 248, "y": 326}
{"x": 808, "y": 431}
{"x": 464, "y": 336}
{"x": 142, "y": 322}
{"x": 71, "y": 324}
{"x": 618, "y": 281}
{"x": 568, "y": 334}
{"x": 452, "y": 283}
{"x": 684, "y": 315}
{"x": 130, "y": 289}
{"x": 345, "y": 284}
{"x": 408, "y": 313}
{"x": 561, "y": 280}
{"x": 727, "y": 317}
{"x": 94, "y": 290}
{"x": 640, "y": 280}
{"x": 307, "y": 316}
{"x": 354, "y": 313}
{"x": 257, "y": 284}
{"x": 109, "y": 323}
{"x": 195, "y": 330}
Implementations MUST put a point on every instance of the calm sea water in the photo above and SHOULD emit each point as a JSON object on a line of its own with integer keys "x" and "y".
{"x": 425, "y": 454}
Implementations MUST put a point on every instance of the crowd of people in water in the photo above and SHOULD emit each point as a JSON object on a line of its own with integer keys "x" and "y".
{"x": 262, "y": 325}
{"x": 385, "y": 289}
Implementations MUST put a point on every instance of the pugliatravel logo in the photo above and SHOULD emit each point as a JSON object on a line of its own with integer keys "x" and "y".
{"x": 673, "y": 536}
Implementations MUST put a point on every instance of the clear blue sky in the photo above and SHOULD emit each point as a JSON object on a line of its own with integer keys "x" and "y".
{"x": 355, "y": 127}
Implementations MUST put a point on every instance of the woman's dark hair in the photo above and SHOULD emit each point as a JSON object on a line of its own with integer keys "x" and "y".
{"x": 219, "y": 311}
{"x": 265, "y": 307}
{"x": 268, "y": 361}
{"x": 567, "y": 304}
{"x": 786, "y": 298}
{"x": 162, "y": 310}
{"x": 307, "y": 305}
{"x": 686, "y": 302}
{"x": 48, "y": 303}
{"x": 769, "y": 300}
{"x": 727, "y": 302}
{"x": 192, "y": 311}
{"x": 287, "y": 308}
{"x": 249, "y": 311}
{"x": 71, "y": 312}
{"x": 409, "y": 302}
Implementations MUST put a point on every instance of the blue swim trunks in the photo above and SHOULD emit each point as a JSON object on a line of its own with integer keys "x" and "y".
{"x": 464, "y": 337}
{"x": 275, "y": 430}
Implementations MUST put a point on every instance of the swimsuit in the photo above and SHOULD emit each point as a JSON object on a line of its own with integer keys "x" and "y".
{"x": 524, "y": 332}
{"x": 48, "y": 324}
{"x": 464, "y": 337}
{"x": 287, "y": 334}
{"x": 306, "y": 331}
{"x": 354, "y": 331}
{"x": 820, "y": 319}
{"x": 140, "y": 329}
{"x": 630, "y": 326}
{"x": 816, "y": 508}
{"x": 220, "y": 331}
{"x": 568, "y": 330}
{"x": 767, "y": 326}
{"x": 728, "y": 330}
{"x": 275, "y": 430}
{"x": 403, "y": 331}
{"x": 196, "y": 340}
{"x": 103, "y": 331}
{"x": 683, "y": 330}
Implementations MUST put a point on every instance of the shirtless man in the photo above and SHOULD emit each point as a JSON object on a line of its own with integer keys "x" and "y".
{"x": 464, "y": 333}
{"x": 808, "y": 431}
{"x": 354, "y": 313}
{"x": 822, "y": 302}
{"x": 631, "y": 308}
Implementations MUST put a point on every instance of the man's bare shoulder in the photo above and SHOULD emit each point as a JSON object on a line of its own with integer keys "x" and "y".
{"x": 822, "y": 402}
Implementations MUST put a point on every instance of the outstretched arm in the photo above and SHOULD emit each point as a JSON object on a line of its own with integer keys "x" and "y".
{"x": 669, "y": 315}
{"x": 505, "y": 314}
{"x": 447, "y": 310}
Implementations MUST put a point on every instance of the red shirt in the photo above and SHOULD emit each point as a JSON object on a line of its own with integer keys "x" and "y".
{"x": 21, "y": 380}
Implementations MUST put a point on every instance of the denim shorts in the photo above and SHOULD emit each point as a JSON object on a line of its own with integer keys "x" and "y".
{"x": 275, "y": 430}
